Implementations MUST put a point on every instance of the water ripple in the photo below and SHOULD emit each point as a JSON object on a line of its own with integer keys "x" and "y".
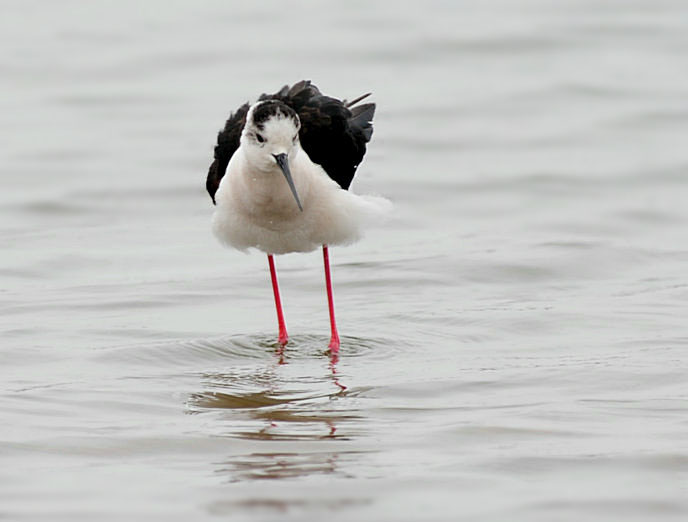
{"x": 247, "y": 348}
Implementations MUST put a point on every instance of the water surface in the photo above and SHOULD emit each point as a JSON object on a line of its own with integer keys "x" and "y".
{"x": 514, "y": 339}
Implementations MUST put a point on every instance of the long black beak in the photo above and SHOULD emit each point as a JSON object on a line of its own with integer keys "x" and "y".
{"x": 281, "y": 160}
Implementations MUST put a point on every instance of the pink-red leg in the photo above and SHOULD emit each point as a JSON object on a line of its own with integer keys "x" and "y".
{"x": 283, "y": 337}
{"x": 334, "y": 340}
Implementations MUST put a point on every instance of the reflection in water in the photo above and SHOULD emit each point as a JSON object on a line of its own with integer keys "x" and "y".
{"x": 280, "y": 505}
{"x": 271, "y": 466}
{"x": 280, "y": 354}
{"x": 286, "y": 408}
{"x": 272, "y": 403}
{"x": 334, "y": 359}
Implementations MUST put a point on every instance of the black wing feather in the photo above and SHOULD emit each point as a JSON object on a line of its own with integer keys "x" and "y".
{"x": 227, "y": 144}
{"x": 333, "y": 133}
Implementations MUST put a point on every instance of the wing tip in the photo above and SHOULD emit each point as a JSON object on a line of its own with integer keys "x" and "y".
{"x": 362, "y": 118}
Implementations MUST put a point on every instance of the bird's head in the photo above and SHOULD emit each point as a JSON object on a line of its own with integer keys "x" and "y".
{"x": 270, "y": 139}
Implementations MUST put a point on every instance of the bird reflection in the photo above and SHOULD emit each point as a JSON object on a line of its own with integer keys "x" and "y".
{"x": 286, "y": 409}
{"x": 276, "y": 466}
{"x": 334, "y": 359}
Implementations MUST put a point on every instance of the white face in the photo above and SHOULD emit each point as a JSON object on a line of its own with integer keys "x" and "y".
{"x": 278, "y": 134}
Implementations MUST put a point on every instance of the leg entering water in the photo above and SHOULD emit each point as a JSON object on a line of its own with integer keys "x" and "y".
{"x": 283, "y": 337}
{"x": 334, "y": 340}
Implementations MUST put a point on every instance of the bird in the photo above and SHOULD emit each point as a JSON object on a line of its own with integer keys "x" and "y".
{"x": 280, "y": 180}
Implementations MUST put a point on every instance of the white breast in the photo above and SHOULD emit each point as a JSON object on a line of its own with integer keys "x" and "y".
{"x": 256, "y": 209}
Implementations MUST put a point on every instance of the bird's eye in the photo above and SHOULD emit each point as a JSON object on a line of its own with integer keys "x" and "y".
{"x": 260, "y": 138}
{"x": 293, "y": 140}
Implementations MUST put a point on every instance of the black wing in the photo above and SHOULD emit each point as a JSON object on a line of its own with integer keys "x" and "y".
{"x": 333, "y": 133}
{"x": 227, "y": 144}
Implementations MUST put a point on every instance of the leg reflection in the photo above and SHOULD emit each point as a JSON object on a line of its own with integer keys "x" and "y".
{"x": 334, "y": 359}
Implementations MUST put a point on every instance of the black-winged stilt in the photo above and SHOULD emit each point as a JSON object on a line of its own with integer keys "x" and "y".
{"x": 280, "y": 179}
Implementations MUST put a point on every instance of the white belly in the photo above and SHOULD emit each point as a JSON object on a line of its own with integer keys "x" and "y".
{"x": 257, "y": 209}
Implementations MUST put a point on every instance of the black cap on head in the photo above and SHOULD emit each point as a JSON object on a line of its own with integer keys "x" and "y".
{"x": 267, "y": 109}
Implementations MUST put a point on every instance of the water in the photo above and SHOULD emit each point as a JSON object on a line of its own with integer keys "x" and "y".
{"x": 514, "y": 339}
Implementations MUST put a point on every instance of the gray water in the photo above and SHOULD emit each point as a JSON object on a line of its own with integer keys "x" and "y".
{"x": 514, "y": 337}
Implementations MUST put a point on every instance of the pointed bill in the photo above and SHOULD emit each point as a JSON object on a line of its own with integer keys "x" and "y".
{"x": 283, "y": 163}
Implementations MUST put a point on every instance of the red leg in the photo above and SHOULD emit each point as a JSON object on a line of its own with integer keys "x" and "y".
{"x": 334, "y": 340}
{"x": 283, "y": 337}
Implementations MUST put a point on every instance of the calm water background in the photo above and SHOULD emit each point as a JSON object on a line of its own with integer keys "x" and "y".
{"x": 514, "y": 339}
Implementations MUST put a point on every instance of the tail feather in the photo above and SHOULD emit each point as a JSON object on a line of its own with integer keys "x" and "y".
{"x": 362, "y": 118}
